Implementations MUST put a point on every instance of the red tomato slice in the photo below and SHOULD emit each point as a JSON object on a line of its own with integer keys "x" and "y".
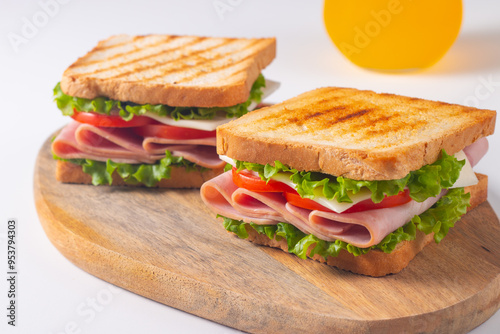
{"x": 172, "y": 132}
{"x": 305, "y": 203}
{"x": 247, "y": 180}
{"x": 388, "y": 202}
{"x": 109, "y": 121}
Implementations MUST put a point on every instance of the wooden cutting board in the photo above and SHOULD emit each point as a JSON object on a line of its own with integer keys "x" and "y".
{"x": 167, "y": 246}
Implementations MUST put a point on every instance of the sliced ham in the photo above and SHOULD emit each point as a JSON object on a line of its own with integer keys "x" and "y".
{"x": 65, "y": 145}
{"x": 113, "y": 143}
{"x": 84, "y": 141}
{"x": 367, "y": 228}
{"x": 265, "y": 204}
{"x": 159, "y": 145}
{"x": 361, "y": 229}
{"x": 205, "y": 156}
{"x": 476, "y": 151}
{"x": 217, "y": 194}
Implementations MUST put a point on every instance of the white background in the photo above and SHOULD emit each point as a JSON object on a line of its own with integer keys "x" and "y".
{"x": 52, "y": 291}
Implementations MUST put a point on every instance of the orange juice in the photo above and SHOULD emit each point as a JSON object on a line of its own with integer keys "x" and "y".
{"x": 393, "y": 34}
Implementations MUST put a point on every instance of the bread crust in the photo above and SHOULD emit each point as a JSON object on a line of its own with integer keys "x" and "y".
{"x": 360, "y": 135}
{"x": 376, "y": 263}
{"x": 84, "y": 78}
{"x": 68, "y": 172}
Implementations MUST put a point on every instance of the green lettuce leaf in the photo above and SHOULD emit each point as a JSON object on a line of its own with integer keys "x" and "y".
{"x": 127, "y": 110}
{"x": 147, "y": 174}
{"x": 444, "y": 214}
{"x": 236, "y": 227}
{"x": 426, "y": 182}
{"x": 227, "y": 167}
{"x": 98, "y": 170}
{"x": 438, "y": 219}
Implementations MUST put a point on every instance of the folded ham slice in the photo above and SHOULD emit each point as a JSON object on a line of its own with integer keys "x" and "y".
{"x": 159, "y": 145}
{"x": 476, "y": 151}
{"x": 364, "y": 228}
{"x": 84, "y": 141}
{"x": 200, "y": 151}
{"x": 361, "y": 229}
{"x": 217, "y": 194}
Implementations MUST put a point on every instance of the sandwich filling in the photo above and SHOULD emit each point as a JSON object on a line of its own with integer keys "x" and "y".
{"x": 142, "y": 142}
{"x": 336, "y": 213}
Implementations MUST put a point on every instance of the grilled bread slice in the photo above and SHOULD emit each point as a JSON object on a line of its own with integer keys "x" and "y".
{"x": 357, "y": 134}
{"x": 68, "y": 172}
{"x": 180, "y": 71}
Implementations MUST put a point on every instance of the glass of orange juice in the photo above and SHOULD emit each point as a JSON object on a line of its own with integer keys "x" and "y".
{"x": 393, "y": 34}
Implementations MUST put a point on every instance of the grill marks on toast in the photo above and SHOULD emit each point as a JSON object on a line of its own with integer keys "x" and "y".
{"x": 351, "y": 116}
{"x": 135, "y": 49}
{"x": 204, "y": 61}
{"x": 113, "y": 65}
{"x": 326, "y": 116}
{"x": 394, "y": 124}
{"x": 167, "y": 63}
{"x": 103, "y": 45}
{"x": 364, "y": 120}
{"x": 360, "y": 119}
{"x": 361, "y": 135}
{"x": 208, "y": 65}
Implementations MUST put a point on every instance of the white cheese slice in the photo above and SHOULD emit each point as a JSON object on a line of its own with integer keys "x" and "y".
{"x": 211, "y": 124}
{"x": 199, "y": 124}
{"x": 227, "y": 159}
{"x": 271, "y": 87}
{"x": 333, "y": 205}
{"x": 467, "y": 176}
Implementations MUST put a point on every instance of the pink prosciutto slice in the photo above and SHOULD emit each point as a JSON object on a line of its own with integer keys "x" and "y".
{"x": 84, "y": 141}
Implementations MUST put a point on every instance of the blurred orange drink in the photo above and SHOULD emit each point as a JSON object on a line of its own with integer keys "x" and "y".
{"x": 393, "y": 34}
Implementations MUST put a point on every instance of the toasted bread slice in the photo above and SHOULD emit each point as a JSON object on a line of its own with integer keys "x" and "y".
{"x": 377, "y": 263}
{"x": 68, "y": 172}
{"x": 357, "y": 134}
{"x": 184, "y": 71}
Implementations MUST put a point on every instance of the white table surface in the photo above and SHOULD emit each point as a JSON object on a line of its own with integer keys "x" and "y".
{"x": 54, "y": 295}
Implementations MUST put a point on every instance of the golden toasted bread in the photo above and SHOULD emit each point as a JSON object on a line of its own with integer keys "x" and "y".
{"x": 357, "y": 134}
{"x": 179, "y": 71}
{"x": 68, "y": 172}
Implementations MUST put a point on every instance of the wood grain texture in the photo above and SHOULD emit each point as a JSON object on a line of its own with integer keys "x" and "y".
{"x": 165, "y": 245}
